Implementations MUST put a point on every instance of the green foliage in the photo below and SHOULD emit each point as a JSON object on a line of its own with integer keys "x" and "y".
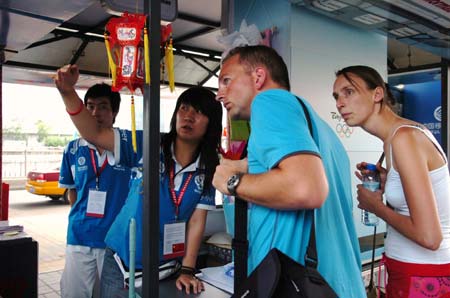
{"x": 14, "y": 132}
{"x": 42, "y": 130}
{"x": 56, "y": 141}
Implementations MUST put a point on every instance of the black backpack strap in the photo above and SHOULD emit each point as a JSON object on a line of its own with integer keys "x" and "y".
{"x": 311, "y": 259}
{"x": 240, "y": 242}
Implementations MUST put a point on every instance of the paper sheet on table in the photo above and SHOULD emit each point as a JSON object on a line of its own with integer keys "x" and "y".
{"x": 216, "y": 276}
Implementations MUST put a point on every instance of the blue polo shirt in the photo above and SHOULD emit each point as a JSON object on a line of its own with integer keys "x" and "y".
{"x": 117, "y": 238}
{"x": 279, "y": 129}
{"x": 77, "y": 172}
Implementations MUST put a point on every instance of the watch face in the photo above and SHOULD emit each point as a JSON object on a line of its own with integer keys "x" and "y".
{"x": 233, "y": 182}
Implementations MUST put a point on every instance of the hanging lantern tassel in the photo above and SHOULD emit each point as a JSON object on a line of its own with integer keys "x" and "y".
{"x": 169, "y": 65}
{"x": 112, "y": 65}
{"x": 133, "y": 124}
{"x": 146, "y": 57}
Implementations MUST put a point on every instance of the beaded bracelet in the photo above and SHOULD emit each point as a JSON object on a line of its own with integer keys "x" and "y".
{"x": 187, "y": 270}
{"x": 80, "y": 108}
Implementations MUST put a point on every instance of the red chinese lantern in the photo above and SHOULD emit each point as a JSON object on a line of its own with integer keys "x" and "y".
{"x": 125, "y": 47}
{"x": 126, "y": 42}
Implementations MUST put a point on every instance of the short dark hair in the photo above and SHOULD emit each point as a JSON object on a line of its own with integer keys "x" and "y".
{"x": 258, "y": 55}
{"x": 104, "y": 90}
{"x": 371, "y": 77}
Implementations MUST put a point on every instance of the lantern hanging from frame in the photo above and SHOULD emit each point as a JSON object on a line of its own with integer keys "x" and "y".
{"x": 127, "y": 47}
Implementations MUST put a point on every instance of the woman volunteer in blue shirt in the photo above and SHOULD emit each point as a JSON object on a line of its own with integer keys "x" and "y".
{"x": 188, "y": 160}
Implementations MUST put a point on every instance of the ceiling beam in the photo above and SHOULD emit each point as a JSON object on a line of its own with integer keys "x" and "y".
{"x": 201, "y": 65}
{"x": 415, "y": 68}
{"x": 51, "y": 68}
{"x": 409, "y": 15}
{"x": 86, "y": 72}
{"x": 194, "y": 19}
{"x": 47, "y": 41}
{"x": 79, "y": 52}
{"x": 212, "y": 55}
{"x": 194, "y": 34}
{"x": 215, "y": 70}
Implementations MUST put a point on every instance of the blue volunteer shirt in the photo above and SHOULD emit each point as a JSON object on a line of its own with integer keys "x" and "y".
{"x": 192, "y": 199}
{"x": 279, "y": 129}
{"x": 77, "y": 172}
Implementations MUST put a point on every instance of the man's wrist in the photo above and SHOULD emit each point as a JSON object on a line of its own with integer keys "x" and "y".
{"x": 233, "y": 182}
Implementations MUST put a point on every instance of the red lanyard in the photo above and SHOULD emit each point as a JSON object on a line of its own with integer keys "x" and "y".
{"x": 177, "y": 201}
{"x": 94, "y": 166}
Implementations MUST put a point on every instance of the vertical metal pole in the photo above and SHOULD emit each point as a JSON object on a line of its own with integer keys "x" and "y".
{"x": 150, "y": 252}
{"x": 4, "y": 30}
{"x": 2, "y": 55}
{"x": 131, "y": 285}
{"x": 445, "y": 82}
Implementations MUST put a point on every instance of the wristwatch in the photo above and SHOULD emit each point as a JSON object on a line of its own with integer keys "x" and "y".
{"x": 233, "y": 183}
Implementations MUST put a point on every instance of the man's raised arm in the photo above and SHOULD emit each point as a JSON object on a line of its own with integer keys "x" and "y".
{"x": 65, "y": 81}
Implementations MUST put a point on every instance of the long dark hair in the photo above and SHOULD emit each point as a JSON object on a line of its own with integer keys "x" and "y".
{"x": 203, "y": 100}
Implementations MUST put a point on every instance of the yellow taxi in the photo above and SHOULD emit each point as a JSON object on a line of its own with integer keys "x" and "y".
{"x": 46, "y": 184}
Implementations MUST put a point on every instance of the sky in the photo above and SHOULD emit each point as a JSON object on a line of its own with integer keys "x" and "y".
{"x": 27, "y": 104}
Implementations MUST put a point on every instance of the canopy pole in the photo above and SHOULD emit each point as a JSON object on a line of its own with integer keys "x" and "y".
{"x": 150, "y": 255}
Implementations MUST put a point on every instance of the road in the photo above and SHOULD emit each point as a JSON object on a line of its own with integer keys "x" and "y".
{"x": 44, "y": 220}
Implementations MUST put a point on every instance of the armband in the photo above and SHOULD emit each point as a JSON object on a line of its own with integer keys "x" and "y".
{"x": 80, "y": 108}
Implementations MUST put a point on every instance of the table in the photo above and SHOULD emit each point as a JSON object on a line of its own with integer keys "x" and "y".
{"x": 167, "y": 289}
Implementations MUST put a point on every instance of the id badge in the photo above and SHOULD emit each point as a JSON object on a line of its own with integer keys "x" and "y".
{"x": 96, "y": 203}
{"x": 174, "y": 240}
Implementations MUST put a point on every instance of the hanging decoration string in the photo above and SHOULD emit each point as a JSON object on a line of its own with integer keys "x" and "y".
{"x": 169, "y": 64}
{"x": 147, "y": 56}
{"x": 112, "y": 65}
{"x": 133, "y": 124}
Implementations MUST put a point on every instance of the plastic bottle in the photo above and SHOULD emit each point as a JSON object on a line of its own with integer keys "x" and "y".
{"x": 370, "y": 181}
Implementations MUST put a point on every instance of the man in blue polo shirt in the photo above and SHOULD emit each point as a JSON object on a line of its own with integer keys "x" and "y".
{"x": 288, "y": 171}
{"x": 97, "y": 191}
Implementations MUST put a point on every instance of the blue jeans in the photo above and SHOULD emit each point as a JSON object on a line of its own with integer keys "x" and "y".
{"x": 111, "y": 281}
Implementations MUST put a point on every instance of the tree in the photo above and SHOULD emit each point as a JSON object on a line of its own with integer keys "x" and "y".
{"x": 56, "y": 141}
{"x": 14, "y": 131}
{"x": 42, "y": 131}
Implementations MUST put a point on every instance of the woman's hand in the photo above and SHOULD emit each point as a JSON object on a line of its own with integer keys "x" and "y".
{"x": 369, "y": 200}
{"x": 187, "y": 281}
{"x": 361, "y": 171}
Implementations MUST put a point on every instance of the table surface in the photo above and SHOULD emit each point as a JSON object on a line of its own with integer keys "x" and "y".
{"x": 168, "y": 289}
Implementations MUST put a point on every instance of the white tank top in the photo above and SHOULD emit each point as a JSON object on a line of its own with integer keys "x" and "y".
{"x": 398, "y": 246}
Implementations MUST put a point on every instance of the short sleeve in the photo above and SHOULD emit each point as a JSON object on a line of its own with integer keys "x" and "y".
{"x": 278, "y": 128}
{"x": 123, "y": 148}
{"x": 66, "y": 179}
{"x": 208, "y": 200}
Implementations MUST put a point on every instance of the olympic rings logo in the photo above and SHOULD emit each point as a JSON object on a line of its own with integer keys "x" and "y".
{"x": 342, "y": 129}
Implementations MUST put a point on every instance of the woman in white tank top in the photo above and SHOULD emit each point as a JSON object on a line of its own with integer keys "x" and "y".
{"x": 416, "y": 184}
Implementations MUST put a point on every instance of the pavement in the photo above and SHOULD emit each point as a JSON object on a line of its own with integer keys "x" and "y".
{"x": 48, "y": 284}
{"x": 51, "y": 265}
